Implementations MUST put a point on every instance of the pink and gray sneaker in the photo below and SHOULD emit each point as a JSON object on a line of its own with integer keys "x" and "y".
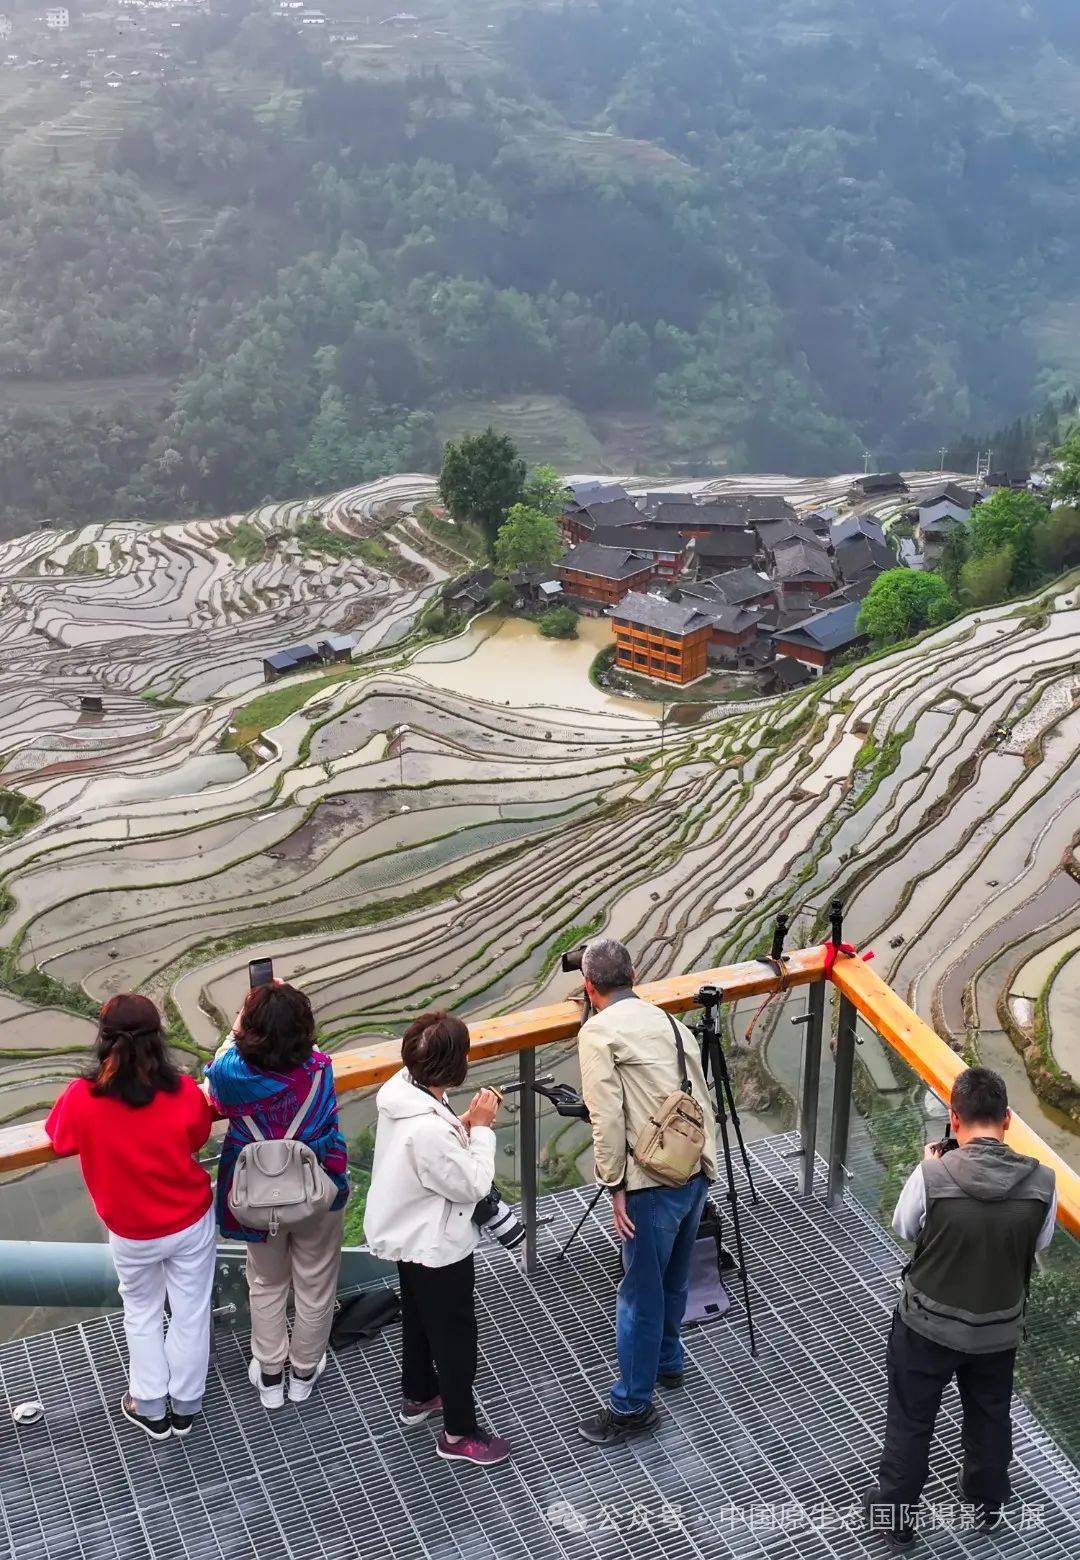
{"x": 481, "y": 1447}
{"x": 415, "y": 1413}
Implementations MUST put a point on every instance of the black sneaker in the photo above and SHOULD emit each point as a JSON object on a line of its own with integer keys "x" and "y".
{"x": 989, "y": 1515}
{"x": 181, "y": 1423}
{"x": 607, "y": 1428}
{"x": 671, "y": 1380}
{"x": 898, "y": 1539}
{"x": 156, "y": 1429}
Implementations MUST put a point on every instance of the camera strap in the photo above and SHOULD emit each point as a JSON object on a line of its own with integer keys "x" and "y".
{"x": 677, "y": 1032}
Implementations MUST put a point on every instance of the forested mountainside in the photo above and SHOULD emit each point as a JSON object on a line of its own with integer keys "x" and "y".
{"x": 706, "y": 233}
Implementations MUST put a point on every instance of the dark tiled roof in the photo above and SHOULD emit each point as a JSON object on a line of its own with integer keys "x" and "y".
{"x": 855, "y": 590}
{"x": 676, "y": 515}
{"x": 774, "y": 533}
{"x": 734, "y": 620}
{"x": 727, "y": 544}
{"x": 652, "y": 501}
{"x": 947, "y": 520}
{"x": 644, "y": 537}
{"x": 595, "y": 491}
{"x": 738, "y": 585}
{"x": 615, "y": 511}
{"x": 789, "y": 672}
{"x": 862, "y": 555}
{"x": 856, "y": 525}
{"x": 950, "y": 491}
{"x": 830, "y": 630}
{"x": 767, "y": 506}
{"x": 799, "y": 561}
{"x": 607, "y": 563}
{"x": 881, "y": 482}
{"x": 718, "y": 515}
{"x": 281, "y": 660}
{"x": 648, "y": 611}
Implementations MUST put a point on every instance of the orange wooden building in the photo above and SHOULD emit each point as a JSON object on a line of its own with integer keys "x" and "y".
{"x": 662, "y": 639}
{"x": 601, "y": 576}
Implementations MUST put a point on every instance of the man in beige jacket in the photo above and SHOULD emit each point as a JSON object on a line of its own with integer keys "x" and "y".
{"x": 629, "y": 1066}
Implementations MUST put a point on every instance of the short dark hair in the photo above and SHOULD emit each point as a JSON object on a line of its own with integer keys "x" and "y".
{"x": 979, "y": 1095}
{"x": 132, "y": 1061}
{"x": 435, "y": 1049}
{"x": 276, "y": 1031}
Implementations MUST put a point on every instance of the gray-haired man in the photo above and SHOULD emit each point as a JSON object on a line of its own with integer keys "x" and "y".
{"x": 629, "y": 1066}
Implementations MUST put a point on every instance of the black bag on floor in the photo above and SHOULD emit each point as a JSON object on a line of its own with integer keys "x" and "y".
{"x": 364, "y": 1317}
{"x": 708, "y": 1299}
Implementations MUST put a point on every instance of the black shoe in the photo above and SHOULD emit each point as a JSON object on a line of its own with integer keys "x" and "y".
{"x": 989, "y": 1515}
{"x": 672, "y": 1380}
{"x": 156, "y": 1429}
{"x": 607, "y": 1428}
{"x": 898, "y": 1539}
{"x": 181, "y": 1423}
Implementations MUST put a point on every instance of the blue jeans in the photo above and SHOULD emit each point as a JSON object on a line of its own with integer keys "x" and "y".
{"x": 652, "y": 1295}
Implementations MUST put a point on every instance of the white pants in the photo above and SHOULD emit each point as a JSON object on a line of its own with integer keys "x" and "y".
{"x": 169, "y": 1365}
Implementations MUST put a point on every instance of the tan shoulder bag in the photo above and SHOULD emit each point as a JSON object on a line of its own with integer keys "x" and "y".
{"x": 670, "y": 1147}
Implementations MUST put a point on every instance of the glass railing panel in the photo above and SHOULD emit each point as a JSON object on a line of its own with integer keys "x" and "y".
{"x": 48, "y": 1203}
{"x": 894, "y": 1116}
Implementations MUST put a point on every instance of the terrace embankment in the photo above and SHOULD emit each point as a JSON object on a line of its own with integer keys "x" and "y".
{"x": 432, "y": 825}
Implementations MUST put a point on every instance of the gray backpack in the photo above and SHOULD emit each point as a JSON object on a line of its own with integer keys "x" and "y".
{"x": 279, "y": 1181}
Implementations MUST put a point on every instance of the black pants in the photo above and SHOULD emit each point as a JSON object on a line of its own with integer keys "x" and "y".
{"x": 919, "y": 1371}
{"x": 438, "y": 1339}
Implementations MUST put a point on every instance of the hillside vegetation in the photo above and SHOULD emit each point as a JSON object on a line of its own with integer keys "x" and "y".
{"x": 727, "y": 233}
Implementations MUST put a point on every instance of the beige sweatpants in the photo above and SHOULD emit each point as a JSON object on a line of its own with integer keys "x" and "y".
{"x": 305, "y": 1258}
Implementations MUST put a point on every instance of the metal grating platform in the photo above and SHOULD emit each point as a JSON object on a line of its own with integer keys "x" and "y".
{"x": 755, "y": 1459}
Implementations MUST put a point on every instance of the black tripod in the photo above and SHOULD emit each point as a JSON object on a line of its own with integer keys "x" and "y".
{"x": 714, "y": 1062}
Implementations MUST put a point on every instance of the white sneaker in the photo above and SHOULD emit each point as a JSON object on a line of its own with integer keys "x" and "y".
{"x": 269, "y": 1396}
{"x": 301, "y": 1387}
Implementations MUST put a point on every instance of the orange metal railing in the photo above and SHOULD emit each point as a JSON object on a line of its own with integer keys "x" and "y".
{"x": 22, "y": 1147}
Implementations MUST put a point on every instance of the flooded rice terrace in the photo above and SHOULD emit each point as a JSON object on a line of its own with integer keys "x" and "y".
{"x": 432, "y": 825}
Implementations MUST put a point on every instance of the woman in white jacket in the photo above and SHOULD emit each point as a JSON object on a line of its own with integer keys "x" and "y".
{"x": 431, "y": 1168}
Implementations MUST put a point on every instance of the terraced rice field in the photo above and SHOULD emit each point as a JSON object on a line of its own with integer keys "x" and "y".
{"x": 429, "y": 824}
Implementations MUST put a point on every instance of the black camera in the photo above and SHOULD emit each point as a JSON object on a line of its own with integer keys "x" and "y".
{"x": 571, "y": 962}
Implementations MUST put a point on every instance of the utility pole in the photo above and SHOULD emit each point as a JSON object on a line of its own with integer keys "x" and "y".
{"x": 944, "y": 452}
{"x": 866, "y": 463}
{"x": 663, "y": 721}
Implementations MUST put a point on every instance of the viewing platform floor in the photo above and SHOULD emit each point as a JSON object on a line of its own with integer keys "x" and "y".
{"x": 757, "y": 1459}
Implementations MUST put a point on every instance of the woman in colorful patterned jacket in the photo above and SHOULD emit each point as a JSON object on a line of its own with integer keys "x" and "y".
{"x": 263, "y": 1074}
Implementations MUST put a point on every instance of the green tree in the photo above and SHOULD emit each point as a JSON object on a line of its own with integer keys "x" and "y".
{"x": 988, "y": 578}
{"x": 902, "y": 602}
{"x": 482, "y": 478}
{"x": 501, "y": 595}
{"x": 527, "y": 538}
{"x": 1067, "y": 482}
{"x": 1057, "y": 541}
{"x": 559, "y": 623}
{"x": 1009, "y": 519}
{"x": 954, "y": 555}
{"x": 546, "y": 491}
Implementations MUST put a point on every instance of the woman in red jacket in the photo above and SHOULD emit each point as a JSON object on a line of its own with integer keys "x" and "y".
{"x": 136, "y": 1124}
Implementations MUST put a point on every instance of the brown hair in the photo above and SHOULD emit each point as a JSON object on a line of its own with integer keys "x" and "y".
{"x": 435, "y": 1049}
{"x": 132, "y": 1060}
{"x": 276, "y": 1031}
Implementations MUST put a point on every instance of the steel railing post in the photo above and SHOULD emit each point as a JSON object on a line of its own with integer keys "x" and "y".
{"x": 527, "y": 1152}
{"x": 810, "y": 1084}
{"x": 841, "y": 1110}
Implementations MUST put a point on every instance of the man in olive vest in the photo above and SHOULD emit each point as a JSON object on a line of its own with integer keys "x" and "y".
{"x": 977, "y": 1212}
